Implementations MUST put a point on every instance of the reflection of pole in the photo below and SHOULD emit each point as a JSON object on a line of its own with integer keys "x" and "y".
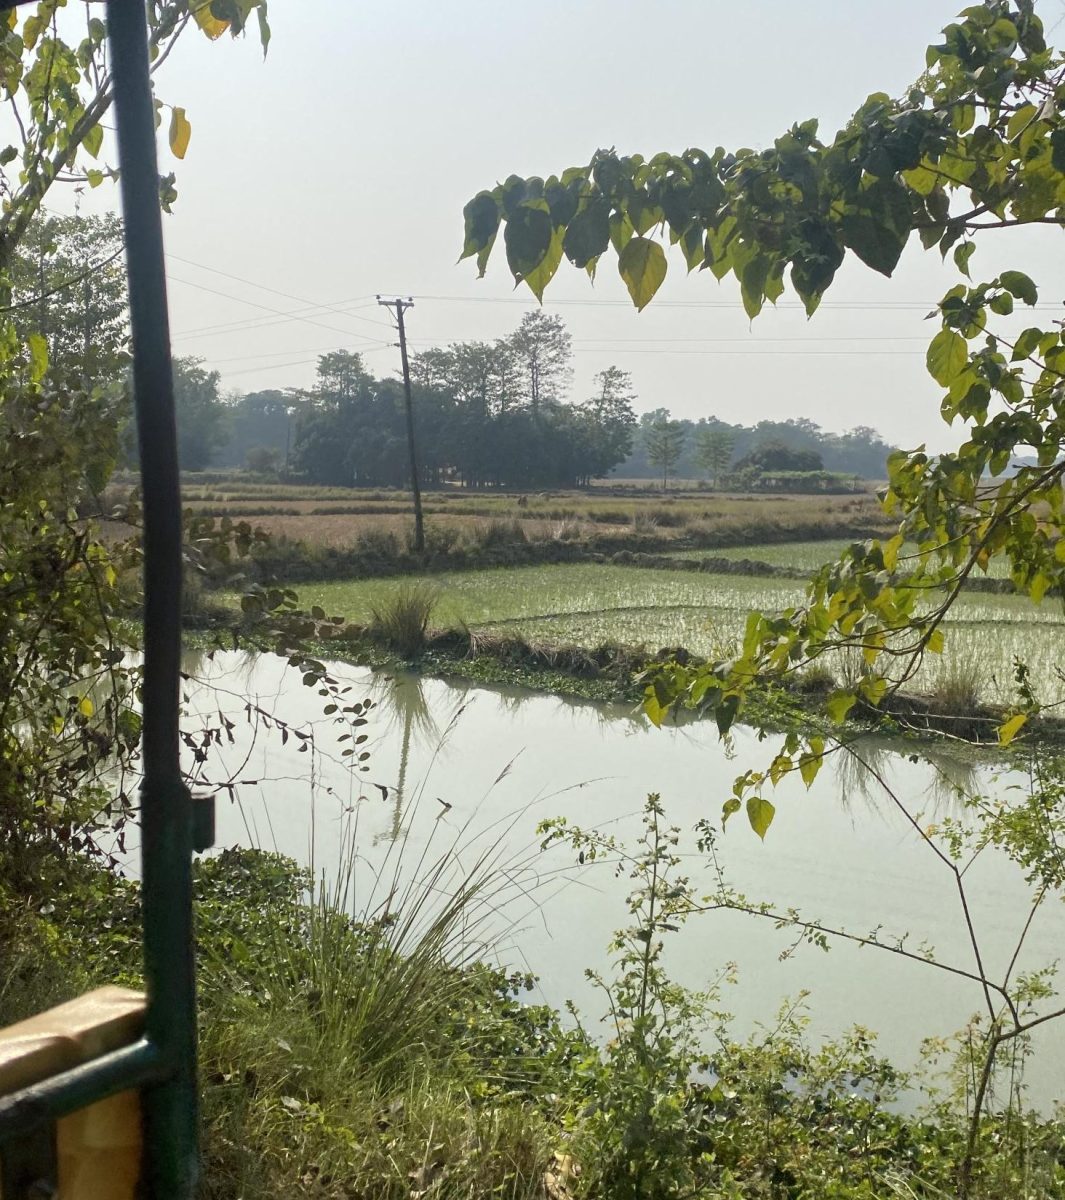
{"x": 401, "y": 783}
{"x": 419, "y": 528}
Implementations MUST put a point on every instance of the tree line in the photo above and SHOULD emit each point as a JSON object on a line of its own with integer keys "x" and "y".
{"x": 488, "y": 414}
{"x": 735, "y": 455}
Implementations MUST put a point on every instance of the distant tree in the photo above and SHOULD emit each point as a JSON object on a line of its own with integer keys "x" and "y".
{"x": 543, "y": 347}
{"x": 713, "y": 450}
{"x": 202, "y": 416}
{"x": 612, "y": 420}
{"x": 776, "y": 455}
{"x": 340, "y": 376}
{"x": 665, "y": 444}
{"x": 263, "y": 460}
{"x": 258, "y": 420}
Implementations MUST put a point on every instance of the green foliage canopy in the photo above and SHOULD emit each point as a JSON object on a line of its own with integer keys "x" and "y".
{"x": 976, "y": 145}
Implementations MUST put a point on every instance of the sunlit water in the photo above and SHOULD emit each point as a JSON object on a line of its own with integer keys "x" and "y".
{"x": 471, "y": 771}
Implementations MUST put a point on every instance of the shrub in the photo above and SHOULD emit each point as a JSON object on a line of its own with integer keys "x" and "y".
{"x": 377, "y": 543}
{"x": 439, "y": 539}
{"x": 498, "y": 532}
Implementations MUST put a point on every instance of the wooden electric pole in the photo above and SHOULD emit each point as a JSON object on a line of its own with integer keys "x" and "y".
{"x": 401, "y": 306}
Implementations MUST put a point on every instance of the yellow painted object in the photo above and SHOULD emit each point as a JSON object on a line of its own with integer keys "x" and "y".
{"x": 98, "y": 1147}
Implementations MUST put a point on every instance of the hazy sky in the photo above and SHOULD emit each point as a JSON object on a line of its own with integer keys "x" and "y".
{"x": 338, "y": 168}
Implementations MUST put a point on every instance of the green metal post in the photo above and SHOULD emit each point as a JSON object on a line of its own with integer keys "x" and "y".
{"x": 163, "y": 1063}
{"x": 171, "y": 1106}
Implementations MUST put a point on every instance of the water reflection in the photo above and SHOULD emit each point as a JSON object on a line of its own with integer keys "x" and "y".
{"x": 482, "y": 766}
{"x": 402, "y": 703}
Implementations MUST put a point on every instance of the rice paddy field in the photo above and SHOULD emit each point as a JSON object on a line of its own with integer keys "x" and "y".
{"x": 805, "y": 556}
{"x": 589, "y": 604}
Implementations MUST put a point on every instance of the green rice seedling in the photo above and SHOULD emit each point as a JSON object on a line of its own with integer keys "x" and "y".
{"x": 401, "y": 619}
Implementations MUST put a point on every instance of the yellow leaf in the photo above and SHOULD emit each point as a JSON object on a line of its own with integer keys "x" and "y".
{"x": 935, "y": 641}
{"x": 38, "y": 349}
{"x": 180, "y": 132}
{"x": 642, "y": 264}
{"x": 891, "y": 552}
{"x": 760, "y": 813}
{"x": 809, "y": 765}
{"x": 655, "y": 712}
{"x": 207, "y": 21}
{"x": 1009, "y": 730}
{"x": 86, "y": 706}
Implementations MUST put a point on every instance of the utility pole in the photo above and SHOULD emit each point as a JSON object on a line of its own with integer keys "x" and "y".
{"x": 401, "y": 305}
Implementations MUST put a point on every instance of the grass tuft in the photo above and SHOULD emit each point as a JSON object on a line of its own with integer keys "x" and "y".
{"x": 401, "y": 619}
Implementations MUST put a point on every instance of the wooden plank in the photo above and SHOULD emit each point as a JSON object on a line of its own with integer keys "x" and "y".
{"x": 98, "y": 1149}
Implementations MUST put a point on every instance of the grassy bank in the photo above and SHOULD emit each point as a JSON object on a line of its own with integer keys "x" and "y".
{"x": 379, "y": 1057}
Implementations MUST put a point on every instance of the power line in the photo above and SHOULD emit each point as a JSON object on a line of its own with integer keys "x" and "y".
{"x": 762, "y": 341}
{"x": 275, "y": 291}
{"x": 853, "y": 305}
{"x": 265, "y": 307}
{"x": 301, "y": 362}
{"x": 375, "y": 345}
{"x": 768, "y": 353}
{"x": 251, "y": 324}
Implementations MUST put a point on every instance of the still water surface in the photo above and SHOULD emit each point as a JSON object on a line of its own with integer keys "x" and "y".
{"x": 470, "y": 772}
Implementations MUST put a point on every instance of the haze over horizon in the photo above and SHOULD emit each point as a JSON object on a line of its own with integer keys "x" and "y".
{"x": 338, "y": 169}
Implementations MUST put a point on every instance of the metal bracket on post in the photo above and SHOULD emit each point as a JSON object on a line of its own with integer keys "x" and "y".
{"x": 202, "y": 823}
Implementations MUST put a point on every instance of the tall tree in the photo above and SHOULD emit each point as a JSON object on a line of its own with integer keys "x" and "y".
{"x": 543, "y": 347}
{"x": 610, "y": 411}
{"x": 258, "y": 421}
{"x": 714, "y": 444}
{"x": 202, "y": 415}
{"x": 665, "y": 444}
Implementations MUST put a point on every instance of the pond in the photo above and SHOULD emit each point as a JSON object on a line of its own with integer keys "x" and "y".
{"x": 468, "y": 773}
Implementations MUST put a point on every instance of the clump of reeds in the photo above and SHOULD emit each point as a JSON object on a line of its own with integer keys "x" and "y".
{"x": 401, "y": 620}
{"x": 498, "y": 532}
{"x": 957, "y": 685}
